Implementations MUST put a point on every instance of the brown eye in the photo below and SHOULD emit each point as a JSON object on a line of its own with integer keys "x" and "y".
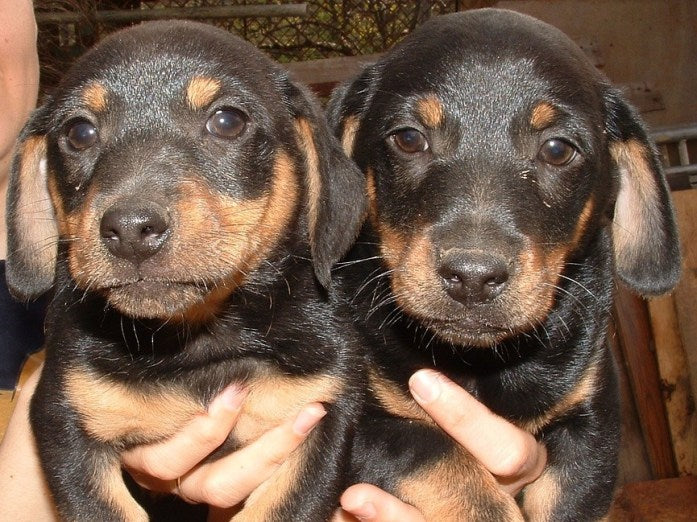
{"x": 410, "y": 140}
{"x": 556, "y": 152}
{"x": 226, "y": 123}
{"x": 82, "y": 135}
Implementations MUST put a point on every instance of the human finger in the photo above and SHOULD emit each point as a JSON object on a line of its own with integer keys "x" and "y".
{"x": 511, "y": 454}
{"x": 366, "y": 502}
{"x": 231, "y": 479}
{"x": 154, "y": 466}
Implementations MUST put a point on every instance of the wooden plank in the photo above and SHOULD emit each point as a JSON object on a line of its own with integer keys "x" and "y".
{"x": 8, "y": 399}
{"x": 675, "y": 383}
{"x": 634, "y": 462}
{"x": 686, "y": 292}
{"x": 634, "y": 333}
{"x": 673, "y": 323}
{"x": 138, "y": 15}
{"x": 323, "y": 75}
{"x": 671, "y": 500}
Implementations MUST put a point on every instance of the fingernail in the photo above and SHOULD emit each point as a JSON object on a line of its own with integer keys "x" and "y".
{"x": 365, "y": 511}
{"x": 308, "y": 418}
{"x": 424, "y": 386}
{"x": 231, "y": 398}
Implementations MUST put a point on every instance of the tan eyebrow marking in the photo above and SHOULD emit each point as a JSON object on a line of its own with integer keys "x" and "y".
{"x": 430, "y": 109}
{"x": 201, "y": 91}
{"x": 543, "y": 114}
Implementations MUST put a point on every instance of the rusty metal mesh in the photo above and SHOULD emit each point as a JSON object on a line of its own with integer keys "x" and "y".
{"x": 330, "y": 29}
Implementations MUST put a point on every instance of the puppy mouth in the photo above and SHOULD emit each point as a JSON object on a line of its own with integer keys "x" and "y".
{"x": 469, "y": 332}
{"x": 156, "y": 298}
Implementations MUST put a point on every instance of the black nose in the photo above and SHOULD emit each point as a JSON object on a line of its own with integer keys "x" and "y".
{"x": 134, "y": 230}
{"x": 472, "y": 277}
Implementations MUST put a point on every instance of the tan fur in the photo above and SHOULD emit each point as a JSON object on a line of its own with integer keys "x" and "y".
{"x": 582, "y": 392}
{"x": 393, "y": 245}
{"x": 85, "y": 251}
{"x": 275, "y": 398}
{"x": 541, "y": 497}
{"x": 34, "y": 215}
{"x": 348, "y": 136}
{"x": 313, "y": 175}
{"x": 111, "y": 411}
{"x": 542, "y": 116}
{"x": 244, "y": 231}
{"x": 394, "y": 400}
{"x": 583, "y": 221}
{"x": 95, "y": 97}
{"x": 114, "y": 491}
{"x": 457, "y": 488}
{"x": 637, "y": 202}
{"x": 371, "y": 193}
{"x": 201, "y": 91}
{"x": 417, "y": 287}
{"x": 430, "y": 111}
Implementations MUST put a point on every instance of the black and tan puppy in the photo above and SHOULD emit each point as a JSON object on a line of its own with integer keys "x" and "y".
{"x": 183, "y": 197}
{"x": 508, "y": 184}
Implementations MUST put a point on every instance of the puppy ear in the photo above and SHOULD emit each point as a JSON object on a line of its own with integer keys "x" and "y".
{"x": 348, "y": 103}
{"x": 646, "y": 246}
{"x": 335, "y": 189}
{"x": 32, "y": 231}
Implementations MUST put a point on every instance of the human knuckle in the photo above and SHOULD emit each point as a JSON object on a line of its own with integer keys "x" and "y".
{"x": 209, "y": 434}
{"x": 217, "y": 492}
{"x": 513, "y": 460}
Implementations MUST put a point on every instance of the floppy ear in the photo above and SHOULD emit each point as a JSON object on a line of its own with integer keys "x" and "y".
{"x": 335, "y": 188}
{"x": 32, "y": 231}
{"x": 646, "y": 246}
{"x": 348, "y": 103}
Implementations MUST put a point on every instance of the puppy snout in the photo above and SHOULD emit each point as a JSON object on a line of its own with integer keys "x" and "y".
{"x": 135, "y": 230}
{"x": 472, "y": 277}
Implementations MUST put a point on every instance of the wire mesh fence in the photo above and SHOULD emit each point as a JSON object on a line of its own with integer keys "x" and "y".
{"x": 325, "y": 28}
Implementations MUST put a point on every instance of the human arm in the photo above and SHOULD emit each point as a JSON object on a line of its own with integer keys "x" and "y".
{"x": 19, "y": 84}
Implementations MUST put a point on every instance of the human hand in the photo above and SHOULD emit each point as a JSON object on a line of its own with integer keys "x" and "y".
{"x": 512, "y": 456}
{"x": 177, "y": 464}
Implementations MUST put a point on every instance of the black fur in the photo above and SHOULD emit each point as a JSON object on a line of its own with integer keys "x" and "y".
{"x": 481, "y": 200}
{"x": 204, "y": 302}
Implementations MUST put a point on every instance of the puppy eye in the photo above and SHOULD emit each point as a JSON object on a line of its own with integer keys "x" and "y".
{"x": 556, "y": 152}
{"x": 410, "y": 140}
{"x": 226, "y": 123}
{"x": 82, "y": 135}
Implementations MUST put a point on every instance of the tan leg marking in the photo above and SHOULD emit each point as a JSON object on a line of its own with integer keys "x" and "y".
{"x": 394, "y": 400}
{"x": 111, "y": 411}
{"x": 273, "y": 399}
{"x": 541, "y": 497}
{"x": 115, "y": 492}
{"x": 457, "y": 488}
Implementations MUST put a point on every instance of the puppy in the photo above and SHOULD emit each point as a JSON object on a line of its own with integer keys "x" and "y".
{"x": 508, "y": 185}
{"x": 175, "y": 192}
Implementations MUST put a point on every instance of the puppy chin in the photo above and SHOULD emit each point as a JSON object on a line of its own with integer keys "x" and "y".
{"x": 478, "y": 337}
{"x": 157, "y": 299}
{"x": 482, "y": 328}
